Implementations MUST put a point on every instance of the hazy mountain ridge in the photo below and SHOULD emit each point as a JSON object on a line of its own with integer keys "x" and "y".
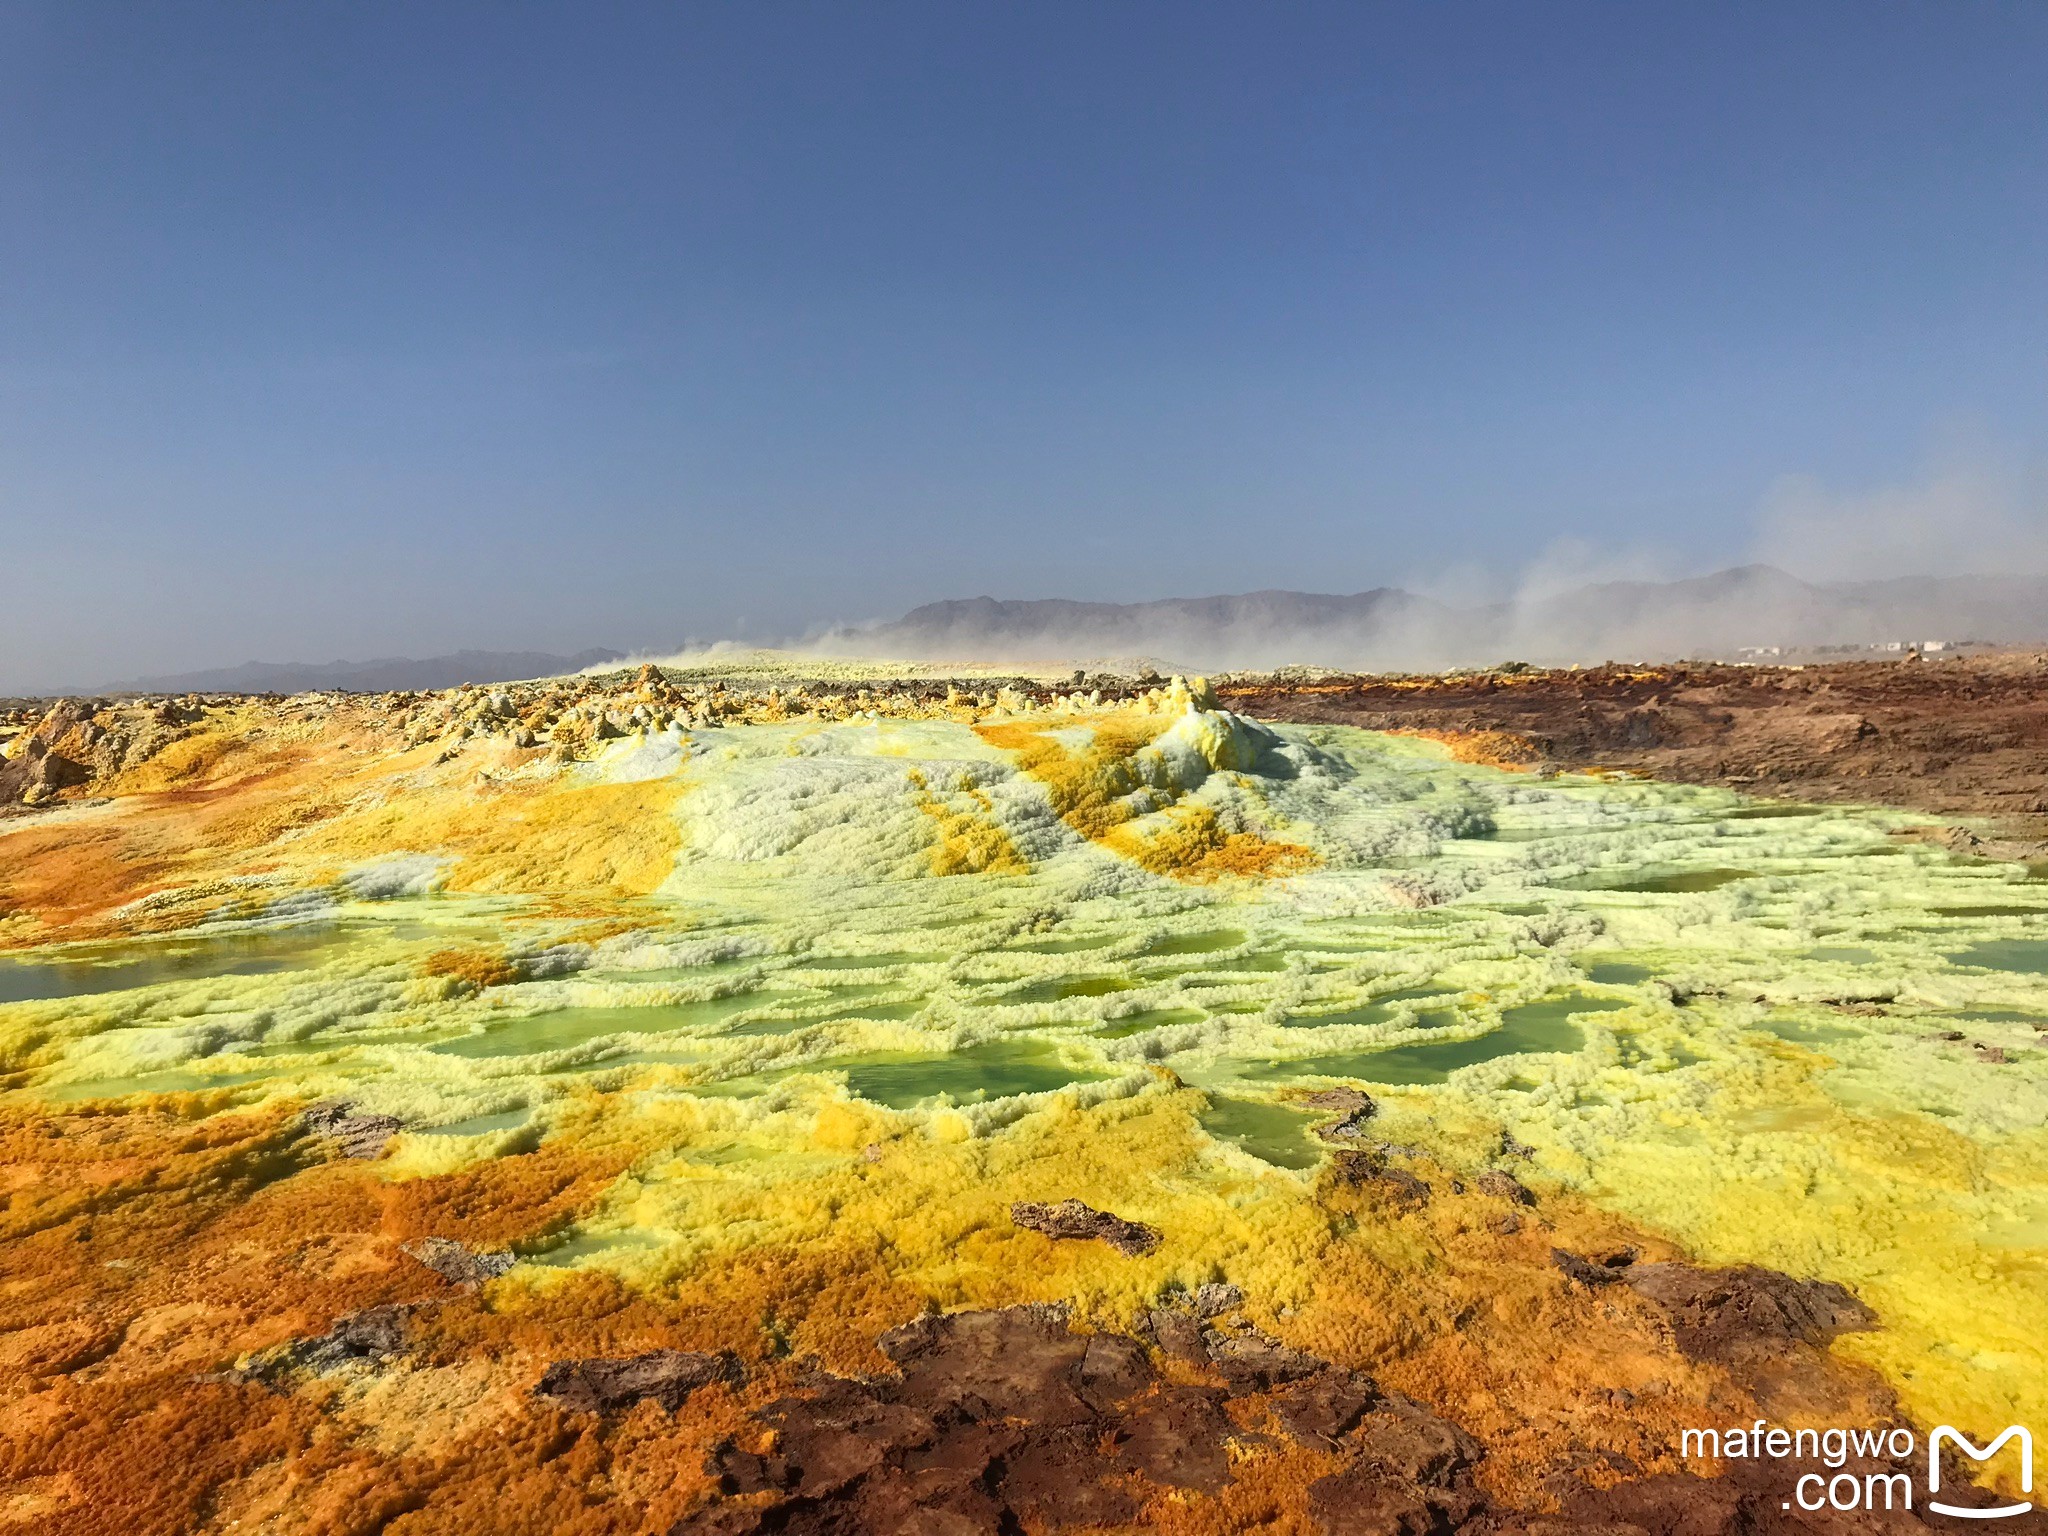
{"x": 1383, "y": 628}
{"x": 385, "y": 675}
{"x": 1718, "y": 614}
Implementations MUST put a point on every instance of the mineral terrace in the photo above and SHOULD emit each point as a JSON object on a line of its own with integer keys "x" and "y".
{"x": 835, "y": 1100}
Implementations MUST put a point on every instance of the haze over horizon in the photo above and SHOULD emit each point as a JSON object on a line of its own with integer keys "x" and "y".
{"x": 369, "y": 331}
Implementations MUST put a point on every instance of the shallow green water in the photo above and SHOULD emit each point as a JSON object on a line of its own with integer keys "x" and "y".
{"x": 1149, "y": 1019}
{"x": 1270, "y": 1132}
{"x": 972, "y": 1076}
{"x": 1542, "y": 1026}
{"x": 482, "y": 1125}
{"x": 539, "y": 1033}
{"x": 1617, "y": 973}
{"x": 1196, "y": 943}
{"x": 1683, "y": 883}
{"x": 88, "y": 971}
{"x": 1381, "y": 1010}
{"x": 1061, "y": 990}
{"x": 1807, "y": 1031}
{"x": 2027, "y": 956}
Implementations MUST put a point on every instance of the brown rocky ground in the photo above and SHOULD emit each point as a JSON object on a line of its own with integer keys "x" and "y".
{"x": 1957, "y": 739}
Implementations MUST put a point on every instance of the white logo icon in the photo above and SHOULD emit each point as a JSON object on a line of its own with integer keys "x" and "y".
{"x": 1980, "y": 1453}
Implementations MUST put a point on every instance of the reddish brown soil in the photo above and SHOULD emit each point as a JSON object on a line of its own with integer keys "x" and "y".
{"x": 1953, "y": 738}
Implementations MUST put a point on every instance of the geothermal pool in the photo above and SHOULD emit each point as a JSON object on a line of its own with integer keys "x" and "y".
{"x": 888, "y": 975}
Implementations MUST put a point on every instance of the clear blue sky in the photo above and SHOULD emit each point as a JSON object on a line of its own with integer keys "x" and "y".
{"x": 359, "y": 329}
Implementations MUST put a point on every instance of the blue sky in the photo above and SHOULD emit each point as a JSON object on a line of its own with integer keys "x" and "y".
{"x": 352, "y": 330}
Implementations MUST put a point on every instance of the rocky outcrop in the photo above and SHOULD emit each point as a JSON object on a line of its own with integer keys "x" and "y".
{"x": 663, "y": 1376}
{"x": 457, "y": 1263}
{"x": 1722, "y": 1314}
{"x": 368, "y": 1337}
{"x": 353, "y": 1134}
{"x": 1072, "y": 1219}
{"x": 1008, "y": 1420}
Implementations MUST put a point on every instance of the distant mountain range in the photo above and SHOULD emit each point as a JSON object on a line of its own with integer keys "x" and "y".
{"x": 1752, "y": 606}
{"x": 1717, "y": 615}
{"x": 388, "y": 675}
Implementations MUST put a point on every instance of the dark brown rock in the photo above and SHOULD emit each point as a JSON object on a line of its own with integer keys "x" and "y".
{"x": 664, "y": 1376}
{"x": 1252, "y": 1361}
{"x": 1585, "y": 1271}
{"x": 1320, "y": 1409}
{"x": 1020, "y": 1362}
{"x": 1357, "y": 1502}
{"x": 369, "y": 1337}
{"x": 1726, "y": 1315}
{"x": 1503, "y": 1186}
{"x": 1214, "y": 1299}
{"x": 1371, "y": 1172}
{"x": 456, "y": 1263}
{"x": 1072, "y": 1219}
{"x": 998, "y": 1421}
{"x": 1404, "y": 1439}
{"x": 1180, "y": 1334}
{"x": 360, "y": 1136}
{"x": 1353, "y": 1108}
{"x": 1177, "y": 1437}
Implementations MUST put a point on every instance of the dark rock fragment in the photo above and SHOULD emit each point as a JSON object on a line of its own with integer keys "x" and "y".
{"x": 456, "y": 1263}
{"x": 371, "y": 1336}
{"x": 1177, "y": 1436}
{"x": 1319, "y": 1410}
{"x": 664, "y": 1376}
{"x": 1113, "y": 1369}
{"x": 1003, "y": 1422}
{"x": 1055, "y": 1481}
{"x": 1214, "y": 1299}
{"x": 1344, "y": 1101}
{"x": 1748, "y": 1498}
{"x": 1727, "y": 1315}
{"x": 361, "y": 1136}
{"x": 1585, "y": 1271}
{"x": 1503, "y": 1186}
{"x": 1352, "y": 1106}
{"x": 1411, "y": 1477}
{"x": 1180, "y": 1334}
{"x": 1072, "y": 1219}
{"x": 1357, "y": 1502}
{"x": 1249, "y": 1359}
{"x": 1252, "y": 1361}
{"x": 1401, "y": 1437}
{"x": 1371, "y": 1171}
{"x": 999, "y": 1421}
{"x": 1020, "y": 1362}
